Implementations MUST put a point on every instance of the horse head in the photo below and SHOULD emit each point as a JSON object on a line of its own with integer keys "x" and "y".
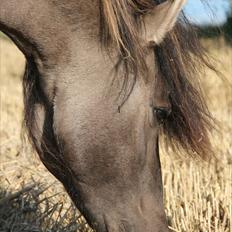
{"x": 103, "y": 78}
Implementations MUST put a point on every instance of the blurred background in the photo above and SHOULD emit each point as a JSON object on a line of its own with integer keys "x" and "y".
{"x": 212, "y": 17}
{"x": 198, "y": 195}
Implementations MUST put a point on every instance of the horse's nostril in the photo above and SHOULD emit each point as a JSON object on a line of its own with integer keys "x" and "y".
{"x": 161, "y": 113}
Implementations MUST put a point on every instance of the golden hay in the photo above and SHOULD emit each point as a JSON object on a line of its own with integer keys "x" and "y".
{"x": 198, "y": 196}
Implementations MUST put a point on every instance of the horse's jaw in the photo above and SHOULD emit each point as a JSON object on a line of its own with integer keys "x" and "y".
{"x": 125, "y": 205}
{"x": 134, "y": 210}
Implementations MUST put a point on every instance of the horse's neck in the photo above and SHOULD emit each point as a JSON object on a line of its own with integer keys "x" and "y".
{"x": 77, "y": 12}
{"x": 43, "y": 28}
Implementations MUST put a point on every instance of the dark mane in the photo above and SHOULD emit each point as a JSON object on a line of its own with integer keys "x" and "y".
{"x": 179, "y": 58}
{"x": 43, "y": 139}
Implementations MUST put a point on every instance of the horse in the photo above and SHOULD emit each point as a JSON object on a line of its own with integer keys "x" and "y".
{"x": 103, "y": 80}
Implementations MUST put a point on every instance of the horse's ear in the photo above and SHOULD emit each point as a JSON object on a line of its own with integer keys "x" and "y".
{"x": 161, "y": 20}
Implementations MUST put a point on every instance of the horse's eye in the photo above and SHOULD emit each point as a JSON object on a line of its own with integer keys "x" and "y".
{"x": 161, "y": 113}
{"x": 160, "y": 1}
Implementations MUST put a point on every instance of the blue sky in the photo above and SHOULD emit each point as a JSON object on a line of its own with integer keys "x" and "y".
{"x": 200, "y": 13}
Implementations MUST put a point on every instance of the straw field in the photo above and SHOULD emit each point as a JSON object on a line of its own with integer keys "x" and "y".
{"x": 198, "y": 195}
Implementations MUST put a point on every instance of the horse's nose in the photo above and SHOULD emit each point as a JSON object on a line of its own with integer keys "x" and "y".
{"x": 135, "y": 226}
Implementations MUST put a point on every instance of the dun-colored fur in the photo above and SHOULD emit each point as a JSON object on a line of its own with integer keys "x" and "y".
{"x": 105, "y": 151}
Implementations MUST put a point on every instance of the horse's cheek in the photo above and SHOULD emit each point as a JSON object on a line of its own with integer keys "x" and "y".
{"x": 100, "y": 144}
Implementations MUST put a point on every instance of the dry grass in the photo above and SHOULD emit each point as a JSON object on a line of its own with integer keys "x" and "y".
{"x": 198, "y": 196}
{"x": 31, "y": 210}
